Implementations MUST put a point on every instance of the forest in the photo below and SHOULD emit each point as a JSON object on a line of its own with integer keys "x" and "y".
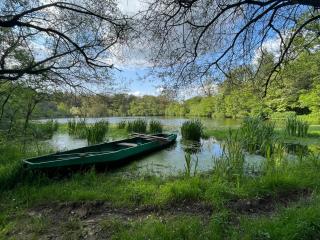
{"x": 296, "y": 92}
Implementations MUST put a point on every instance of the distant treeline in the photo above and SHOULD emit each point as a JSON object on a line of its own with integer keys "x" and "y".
{"x": 295, "y": 91}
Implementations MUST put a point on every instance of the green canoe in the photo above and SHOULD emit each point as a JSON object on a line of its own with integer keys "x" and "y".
{"x": 105, "y": 153}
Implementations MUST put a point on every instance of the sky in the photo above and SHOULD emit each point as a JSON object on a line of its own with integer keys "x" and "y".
{"x": 136, "y": 66}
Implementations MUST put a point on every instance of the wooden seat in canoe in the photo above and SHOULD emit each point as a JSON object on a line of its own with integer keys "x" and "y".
{"x": 127, "y": 144}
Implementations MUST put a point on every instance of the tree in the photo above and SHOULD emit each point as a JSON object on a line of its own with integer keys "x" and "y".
{"x": 60, "y": 42}
{"x": 195, "y": 38}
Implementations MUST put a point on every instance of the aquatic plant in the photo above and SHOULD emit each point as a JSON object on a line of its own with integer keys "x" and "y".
{"x": 295, "y": 127}
{"x": 155, "y": 126}
{"x": 192, "y": 130}
{"x": 97, "y": 132}
{"x": 230, "y": 165}
{"x": 138, "y": 126}
{"x": 189, "y": 165}
{"x": 256, "y": 134}
{"x": 77, "y": 128}
{"x": 122, "y": 124}
{"x": 43, "y": 130}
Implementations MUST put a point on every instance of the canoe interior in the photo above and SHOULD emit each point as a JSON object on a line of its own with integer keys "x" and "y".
{"x": 104, "y": 149}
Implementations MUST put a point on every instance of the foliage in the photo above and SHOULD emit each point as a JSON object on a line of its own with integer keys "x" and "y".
{"x": 155, "y": 126}
{"x": 97, "y": 132}
{"x": 138, "y": 126}
{"x": 192, "y": 130}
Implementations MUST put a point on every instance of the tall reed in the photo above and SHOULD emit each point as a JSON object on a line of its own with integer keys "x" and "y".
{"x": 256, "y": 134}
{"x": 192, "y": 130}
{"x": 155, "y": 126}
{"x": 188, "y": 167}
{"x": 77, "y": 128}
{"x": 230, "y": 165}
{"x": 43, "y": 130}
{"x": 138, "y": 126}
{"x": 97, "y": 132}
{"x": 122, "y": 124}
{"x": 295, "y": 127}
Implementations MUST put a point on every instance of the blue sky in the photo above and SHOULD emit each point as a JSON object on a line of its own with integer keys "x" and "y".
{"x": 133, "y": 78}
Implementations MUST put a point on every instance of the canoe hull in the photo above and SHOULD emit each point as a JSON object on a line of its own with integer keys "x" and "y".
{"x": 106, "y": 154}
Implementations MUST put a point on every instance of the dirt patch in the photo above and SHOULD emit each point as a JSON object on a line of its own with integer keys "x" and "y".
{"x": 268, "y": 204}
{"x": 91, "y": 220}
{"x": 87, "y": 210}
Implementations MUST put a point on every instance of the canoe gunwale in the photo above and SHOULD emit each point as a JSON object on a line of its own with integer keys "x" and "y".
{"x": 90, "y": 158}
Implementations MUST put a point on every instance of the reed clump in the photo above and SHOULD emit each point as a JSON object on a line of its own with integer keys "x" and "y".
{"x": 77, "y": 128}
{"x": 44, "y": 130}
{"x": 295, "y": 127}
{"x": 138, "y": 126}
{"x": 230, "y": 165}
{"x": 155, "y": 126}
{"x": 97, "y": 132}
{"x": 256, "y": 134}
{"x": 192, "y": 130}
{"x": 122, "y": 124}
{"x": 190, "y": 165}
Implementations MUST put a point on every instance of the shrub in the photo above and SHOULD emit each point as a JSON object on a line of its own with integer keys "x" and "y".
{"x": 155, "y": 126}
{"x": 138, "y": 126}
{"x": 97, "y": 132}
{"x": 192, "y": 130}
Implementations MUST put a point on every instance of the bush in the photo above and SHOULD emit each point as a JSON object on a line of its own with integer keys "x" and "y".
{"x": 97, "y": 132}
{"x": 138, "y": 126}
{"x": 192, "y": 130}
{"x": 155, "y": 126}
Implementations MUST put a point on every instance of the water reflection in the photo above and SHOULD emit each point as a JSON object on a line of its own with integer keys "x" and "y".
{"x": 297, "y": 149}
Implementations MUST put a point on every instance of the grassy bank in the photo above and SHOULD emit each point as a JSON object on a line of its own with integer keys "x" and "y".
{"x": 207, "y": 206}
{"x": 280, "y": 200}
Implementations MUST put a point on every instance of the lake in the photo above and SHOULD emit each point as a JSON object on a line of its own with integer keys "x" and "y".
{"x": 170, "y": 161}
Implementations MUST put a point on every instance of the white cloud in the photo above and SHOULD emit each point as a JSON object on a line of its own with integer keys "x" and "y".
{"x": 136, "y": 93}
{"x": 130, "y": 6}
{"x": 271, "y": 46}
